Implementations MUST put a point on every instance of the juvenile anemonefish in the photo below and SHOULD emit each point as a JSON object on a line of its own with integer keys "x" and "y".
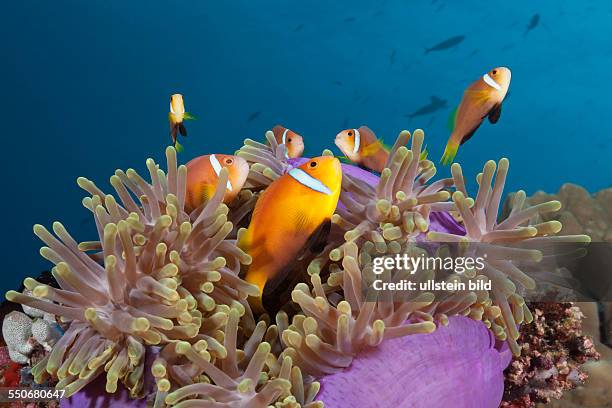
{"x": 176, "y": 117}
{"x": 362, "y": 147}
{"x": 293, "y": 141}
{"x": 481, "y": 99}
{"x": 202, "y": 175}
{"x": 291, "y": 216}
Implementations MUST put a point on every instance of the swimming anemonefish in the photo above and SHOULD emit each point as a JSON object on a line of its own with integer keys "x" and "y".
{"x": 291, "y": 216}
{"x": 176, "y": 117}
{"x": 293, "y": 141}
{"x": 202, "y": 175}
{"x": 362, "y": 147}
{"x": 481, "y": 99}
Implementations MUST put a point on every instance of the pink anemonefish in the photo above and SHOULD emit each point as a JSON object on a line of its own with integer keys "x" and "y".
{"x": 293, "y": 141}
{"x": 481, "y": 99}
{"x": 202, "y": 175}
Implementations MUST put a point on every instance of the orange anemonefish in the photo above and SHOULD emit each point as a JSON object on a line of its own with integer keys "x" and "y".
{"x": 291, "y": 216}
{"x": 362, "y": 147}
{"x": 293, "y": 141}
{"x": 176, "y": 117}
{"x": 202, "y": 175}
{"x": 481, "y": 99}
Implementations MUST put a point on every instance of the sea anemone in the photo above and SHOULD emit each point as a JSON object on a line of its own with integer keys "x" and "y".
{"x": 164, "y": 284}
{"x": 249, "y": 377}
{"x": 162, "y": 278}
{"x": 267, "y": 161}
{"x": 498, "y": 241}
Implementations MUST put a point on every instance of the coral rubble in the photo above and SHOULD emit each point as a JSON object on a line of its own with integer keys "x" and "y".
{"x": 553, "y": 349}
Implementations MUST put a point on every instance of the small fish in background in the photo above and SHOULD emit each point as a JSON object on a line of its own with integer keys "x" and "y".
{"x": 349, "y": 19}
{"x": 446, "y": 44}
{"x": 293, "y": 141}
{"x": 533, "y": 23}
{"x": 292, "y": 218}
{"x": 481, "y": 99}
{"x": 176, "y": 117}
{"x": 434, "y": 105}
{"x": 362, "y": 147}
{"x": 299, "y": 27}
{"x": 203, "y": 173}
{"x": 337, "y": 83}
{"x": 253, "y": 116}
{"x": 392, "y": 57}
{"x": 473, "y": 53}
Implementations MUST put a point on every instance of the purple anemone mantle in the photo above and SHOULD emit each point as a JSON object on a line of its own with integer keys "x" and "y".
{"x": 456, "y": 366}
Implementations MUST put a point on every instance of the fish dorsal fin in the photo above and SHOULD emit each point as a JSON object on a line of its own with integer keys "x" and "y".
{"x": 495, "y": 113}
{"x": 372, "y": 148}
{"x": 452, "y": 119}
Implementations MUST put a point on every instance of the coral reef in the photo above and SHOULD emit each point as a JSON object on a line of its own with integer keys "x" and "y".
{"x": 163, "y": 286}
{"x": 553, "y": 349}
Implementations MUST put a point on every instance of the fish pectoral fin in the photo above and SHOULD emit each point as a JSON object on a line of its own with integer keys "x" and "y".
{"x": 188, "y": 116}
{"x": 317, "y": 240}
{"x": 495, "y": 113}
{"x": 371, "y": 149}
{"x": 182, "y": 129}
{"x": 469, "y": 135}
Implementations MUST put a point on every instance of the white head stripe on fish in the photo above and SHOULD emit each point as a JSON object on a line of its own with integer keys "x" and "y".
{"x": 491, "y": 82}
{"x": 284, "y": 139}
{"x": 307, "y": 180}
{"x": 214, "y": 162}
{"x": 357, "y": 141}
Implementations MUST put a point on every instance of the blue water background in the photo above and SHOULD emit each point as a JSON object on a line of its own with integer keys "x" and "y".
{"x": 85, "y": 87}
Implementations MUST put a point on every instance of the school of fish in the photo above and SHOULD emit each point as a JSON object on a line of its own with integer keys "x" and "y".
{"x": 292, "y": 216}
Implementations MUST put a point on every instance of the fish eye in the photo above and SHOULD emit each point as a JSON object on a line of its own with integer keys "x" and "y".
{"x": 494, "y": 72}
{"x": 313, "y": 164}
{"x": 229, "y": 161}
{"x": 350, "y": 133}
{"x": 289, "y": 140}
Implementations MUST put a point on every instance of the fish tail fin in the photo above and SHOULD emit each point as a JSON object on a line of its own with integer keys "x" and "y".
{"x": 450, "y": 151}
{"x": 424, "y": 154}
{"x": 179, "y": 147}
{"x": 256, "y": 303}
